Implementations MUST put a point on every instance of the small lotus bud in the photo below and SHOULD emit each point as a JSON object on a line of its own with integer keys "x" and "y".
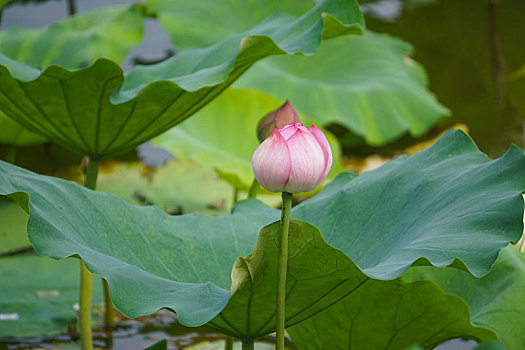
{"x": 284, "y": 115}
{"x": 292, "y": 159}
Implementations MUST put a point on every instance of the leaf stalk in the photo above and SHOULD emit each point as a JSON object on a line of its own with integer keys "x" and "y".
{"x": 254, "y": 188}
{"x": 282, "y": 266}
{"x": 86, "y": 277}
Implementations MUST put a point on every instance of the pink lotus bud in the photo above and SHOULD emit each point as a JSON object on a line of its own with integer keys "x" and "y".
{"x": 292, "y": 159}
{"x": 276, "y": 119}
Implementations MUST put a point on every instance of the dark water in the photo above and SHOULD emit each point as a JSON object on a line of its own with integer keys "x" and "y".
{"x": 470, "y": 48}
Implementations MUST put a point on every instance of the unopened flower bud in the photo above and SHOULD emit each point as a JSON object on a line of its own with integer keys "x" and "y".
{"x": 293, "y": 159}
{"x": 284, "y": 115}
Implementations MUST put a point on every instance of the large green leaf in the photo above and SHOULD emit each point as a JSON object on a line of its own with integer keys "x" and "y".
{"x": 77, "y": 41}
{"x": 432, "y": 205}
{"x": 367, "y": 84}
{"x": 14, "y": 134}
{"x": 389, "y": 315}
{"x": 318, "y": 276}
{"x": 223, "y": 135}
{"x": 495, "y": 300}
{"x": 411, "y": 208}
{"x": 97, "y": 112}
{"x": 194, "y": 24}
{"x": 38, "y": 296}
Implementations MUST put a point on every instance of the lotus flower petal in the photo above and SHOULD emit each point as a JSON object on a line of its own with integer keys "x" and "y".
{"x": 308, "y": 161}
{"x": 271, "y": 163}
{"x": 327, "y": 152}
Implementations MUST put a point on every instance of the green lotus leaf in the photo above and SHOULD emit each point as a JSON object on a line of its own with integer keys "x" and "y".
{"x": 430, "y": 207}
{"x": 13, "y": 222}
{"x": 96, "y": 111}
{"x": 223, "y": 135}
{"x": 318, "y": 276}
{"x": 38, "y": 296}
{"x": 184, "y": 262}
{"x": 194, "y": 24}
{"x": 389, "y": 315}
{"x": 367, "y": 84}
{"x": 14, "y": 134}
{"x": 77, "y": 41}
{"x": 491, "y": 345}
{"x": 494, "y": 300}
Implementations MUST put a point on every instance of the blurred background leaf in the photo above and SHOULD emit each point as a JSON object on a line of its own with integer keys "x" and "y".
{"x": 368, "y": 84}
{"x": 223, "y": 135}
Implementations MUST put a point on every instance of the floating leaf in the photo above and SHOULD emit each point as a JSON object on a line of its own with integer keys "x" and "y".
{"x": 223, "y": 135}
{"x": 367, "y": 84}
{"x": 40, "y": 295}
{"x": 96, "y": 111}
{"x": 77, "y": 41}
{"x": 184, "y": 262}
{"x": 176, "y": 187}
{"x": 494, "y": 300}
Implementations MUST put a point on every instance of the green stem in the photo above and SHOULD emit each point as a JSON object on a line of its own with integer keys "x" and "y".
{"x": 248, "y": 344}
{"x": 254, "y": 188}
{"x": 282, "y": 270}
{"x": 86, "y": 288}
{"x": 110, "y": 310}
{"x": 228, "y": 345}
{"x": 235, "y": 196}
{"x": 90, "y": 181}
{"x": 86, "y": 277}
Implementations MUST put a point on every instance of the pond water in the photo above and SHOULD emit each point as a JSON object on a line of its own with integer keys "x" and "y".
{"x": 471, "y": 50}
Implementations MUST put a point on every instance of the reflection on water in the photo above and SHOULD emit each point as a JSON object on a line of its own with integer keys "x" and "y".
{"x": 469, "y": 48}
